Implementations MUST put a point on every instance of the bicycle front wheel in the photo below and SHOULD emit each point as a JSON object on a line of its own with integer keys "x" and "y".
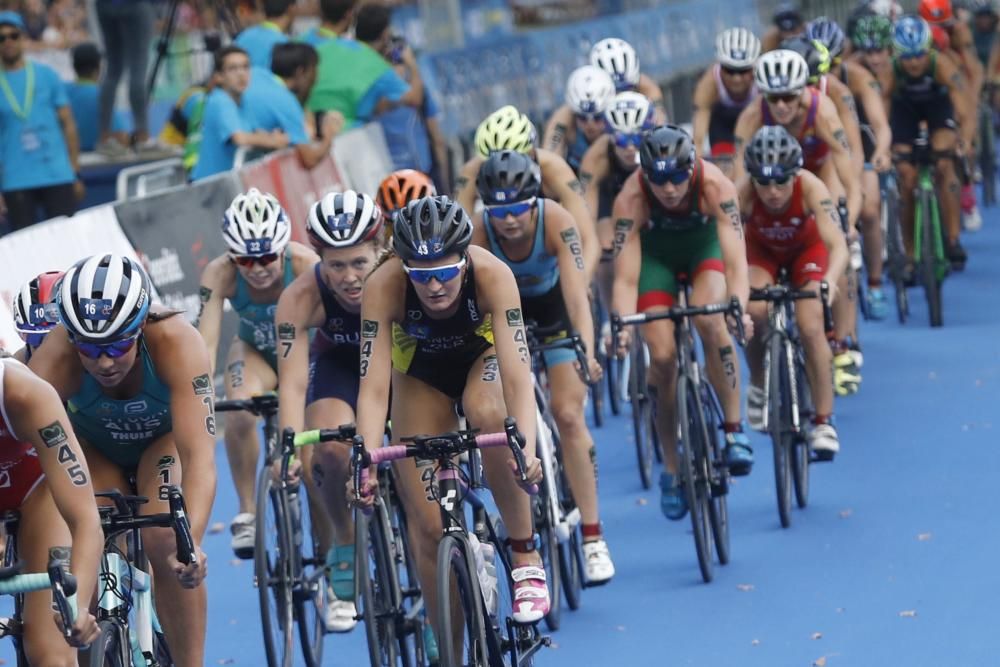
{"x": 639, "y": 397}
{"x": 718, "y": 473}
{"x": 464, "y": 646}
{"x": 272, "y": 568}
{"x": 310, "y": 594}
{"x": 110, "y": 649}
{"x": 896, "y": 251}
{"x": 545, "y": 525}
{"x": 692, "y": 455}
{"x": 800, "y": 452}
{"x": 571, "y": 550}
{"x": 779, "y": 421}
{"x": 929, "y": 260}
{"x": 380, "y": 596}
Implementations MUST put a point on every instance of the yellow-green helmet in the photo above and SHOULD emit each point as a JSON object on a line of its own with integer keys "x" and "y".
{"x": 505, "y": 129}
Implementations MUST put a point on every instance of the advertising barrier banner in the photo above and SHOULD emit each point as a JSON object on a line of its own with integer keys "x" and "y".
{"x": 363, "y": 157}
{"x": 51, "y": 246}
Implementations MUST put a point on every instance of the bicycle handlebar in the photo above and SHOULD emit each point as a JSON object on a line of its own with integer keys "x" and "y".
{"x": 316, "y": 436}
{"x": 55, "y": 578}
{"x": 442, "y": 446}
{"x": 122, "y": 517}
{"x": 781, "y": 293}
{"x": 261, "y": 406}
{"x": 678, "y": 314}
{"x": 569, "y": 342}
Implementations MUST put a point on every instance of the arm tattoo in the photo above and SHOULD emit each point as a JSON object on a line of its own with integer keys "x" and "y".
{"x": 204, "y": 294}
{"x": 576, "y": 186}
{"x": 209, "y": 402}
{"x": 369, "y": 330}
{"x": 460, "y": 183}
{"x": 572, "y": 239}
{"x": 956, "y": 82}
{"x": 874, "y": 85}
{"x": 235, "y": 371}
{"x": 738, "y": 143}
{"x": 54, "y": 435}
{"x": 558, "y": 134}
{"x": 286, "y": 337}
{"x": 728, "y": 364}
{"x": 522, "y": 345}
{"x": 831, "y": 210}
{"x": 202, "y": 385}
{"x": 622, "y": 227}
{"x": 730, "y": 208}
{"x": 585, "y": 178}
{"x": 841, "y": 138}
{"x": 514, "y": 318}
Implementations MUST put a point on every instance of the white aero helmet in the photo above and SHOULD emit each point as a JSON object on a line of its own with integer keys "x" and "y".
{"x": 617, "y": 58}
{"x": 589, "y": 89}
{"x": 629, "y": 113}
{"x": 104, "y": 298}
{"x": 343, "y": 219}
{"x": 737, "y": 48}
{"x": 255, "y": 224}
{"x": 781, "y": 71}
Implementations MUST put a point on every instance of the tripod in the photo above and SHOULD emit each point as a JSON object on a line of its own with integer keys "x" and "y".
{"x": 227, "y": 20}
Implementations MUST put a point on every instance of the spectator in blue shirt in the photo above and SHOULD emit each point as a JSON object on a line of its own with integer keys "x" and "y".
{"x": 337, "y": 16}
{"x": 38, "y": 140}
{"x": 259, "y": 40}
{"x": 83, "y": 99}
{"x": 224, "y": 127}
{"x": 274, "y": 100}
{"x": 412, "y": 134}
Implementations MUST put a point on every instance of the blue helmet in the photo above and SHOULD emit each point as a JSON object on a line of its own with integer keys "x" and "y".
{"x": 912, "y": 36}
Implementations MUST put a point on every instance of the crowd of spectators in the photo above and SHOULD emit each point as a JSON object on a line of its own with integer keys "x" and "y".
{"x": 268, "y": 89}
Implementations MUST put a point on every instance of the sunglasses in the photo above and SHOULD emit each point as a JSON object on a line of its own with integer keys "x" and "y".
{"x": 736, "y": 72}
{"x": 776, "y": 180}
{"x": 589, "y": 117}
{"x": 675, "y": 177}
{"x": 872, "y": 49}
{"x": 912, "y": 56}
{"x": 12, "y": 36}
{"x": 247, "y": 261}
{"x": 503, "y": 210}
{"x": 787, "y": 98}
{"x": 624, "y": 140}
{"x": 114, "y": 350}
{"x": 440, "y": 273}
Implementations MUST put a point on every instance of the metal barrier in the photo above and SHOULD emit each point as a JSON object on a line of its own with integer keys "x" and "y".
{"x": 147, "y": 179}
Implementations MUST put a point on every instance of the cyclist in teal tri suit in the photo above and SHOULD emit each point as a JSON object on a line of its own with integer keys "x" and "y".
{"x": 260, "y": 263}
{"x": 574, "y": 126}
{"x": 538, "y": 239}
{"x": 137, "y": 384}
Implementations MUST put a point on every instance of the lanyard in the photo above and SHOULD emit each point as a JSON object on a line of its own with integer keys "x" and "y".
{"x": 29, "y": 92}
{"x": 271, "y": 25}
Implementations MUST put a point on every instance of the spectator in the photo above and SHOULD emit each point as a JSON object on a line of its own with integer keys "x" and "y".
{"x": 183, "y": 126}
{"x": 83, "y": 100}
{"x": 337, "y": 16}
{"x": 224, "y": 128}
{"x": 411, "y": 133}
{"x": 38, "y": 140}
{"x": 67, "y": 23}
{"x": 355, "y": 80}
{"x": 260, "y": 39}
{"x": 274, "y": 100}
{"x": 127, "y": 28}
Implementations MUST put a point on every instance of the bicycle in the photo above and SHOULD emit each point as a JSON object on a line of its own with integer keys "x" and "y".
{"x": 987, "y": 154}
{"x": 642, "y": 398}
{"x": 893, "y": 248}
{"x": 704, "y": 471}
{"x": 125, "y": 585}
{"x": 596, "y": 390}
{"x": 55, "y": 578}
{"x": 291, "y": 585}
{"x": 557, "y": 518}
{"x": 786, "y": 391}
{"x": 491, "y": 637}
{"x": 928, "y": 241}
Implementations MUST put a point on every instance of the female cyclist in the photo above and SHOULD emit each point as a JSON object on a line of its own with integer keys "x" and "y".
{"x": 574, "y": 126}
{"x": 138, "y": 386}
{"x": 260, "y": 263}
{"x": 35, "y": 312}
{"x": 400, "y": 188}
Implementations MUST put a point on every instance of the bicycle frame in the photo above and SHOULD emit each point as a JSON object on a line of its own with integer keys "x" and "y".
{"x": 131, "y": 589}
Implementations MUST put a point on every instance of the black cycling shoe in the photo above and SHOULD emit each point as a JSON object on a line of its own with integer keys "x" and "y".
{"x": 956, "y": 255}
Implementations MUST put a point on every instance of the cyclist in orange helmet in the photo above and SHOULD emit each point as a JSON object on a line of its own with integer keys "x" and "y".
{"x": 401, "y": 187}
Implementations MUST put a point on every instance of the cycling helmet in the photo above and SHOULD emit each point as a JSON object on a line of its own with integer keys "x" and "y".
{"x": 589, "y": 90}
{"x": 781, "y": 71}
{"x": 429, "y": 228}
{"x": 666, "y": 148}
{"x": 343, "y": 219}
{"x": 737, "y": 48}
{"x": 872, "y": 32}
{"x": 617, "y": 58}
{"x": 34, "y": 307}
{"x": 890, "y": 9}
{"x": 911, "y": 36}
{"x": 936, "y": 11}
{"x": 815, "y": 54}
{"x": 401, "y": 187}
{"x": 255, "y": 224}
{"x": 505, "y": 128}
{"x": 508, "y": 177}
{"x": 629, "y": 113}
{"x": 772, "y": 153}
{"x": 829, "y": 33}
{"x": 940, "y": 38}
{"x": 104, "y": 298}
{"x": 787, "y": 17}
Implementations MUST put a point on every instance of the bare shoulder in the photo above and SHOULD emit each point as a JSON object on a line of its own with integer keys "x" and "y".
{"x": 303, "y": 257}
{"x": 486, "y": 262}
{"x": 219, "y": 275}
{"x": 170, "y": 338}
{"x": 705, "y": 92}
{"x": 715, "y": 186}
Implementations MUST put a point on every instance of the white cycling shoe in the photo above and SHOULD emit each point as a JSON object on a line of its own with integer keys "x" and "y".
{"x": 756, "y": 404}
{"x": 244, "y": 530}
{"x": 824, "y": 442}
{"x": 599, "y": 566}
{"x": 341, "y": 615}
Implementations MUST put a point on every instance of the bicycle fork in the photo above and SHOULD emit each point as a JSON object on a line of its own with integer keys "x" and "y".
{"x": 130, "y": 585}
{"x": 564, "y": 525}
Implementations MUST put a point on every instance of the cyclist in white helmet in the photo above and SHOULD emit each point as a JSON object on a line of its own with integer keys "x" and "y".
{"x": 574, "y": 126}
{"x": 619, "y": 59}
{"x": 319, "y": 381}
{"x": 723, "y": 91}
{"x": 137, "y": 384}
{"x": 261, "y": 261}
{"x": 509, "y": 129}
{"x": 35, "y": 312}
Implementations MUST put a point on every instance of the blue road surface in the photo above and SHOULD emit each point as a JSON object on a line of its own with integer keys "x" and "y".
{"x": 892, "y": 562}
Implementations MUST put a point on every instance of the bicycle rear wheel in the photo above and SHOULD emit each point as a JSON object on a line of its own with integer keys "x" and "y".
{"x": 928, "y": 256}
{"x": 111, "y": 648}
{"x": 779, "y": 421}
{"x": 896, "y": 252}
{"x": 570, "y": 550}
{"x": 612, "y": 369}
{"x": 695, "y": 487}
{"x": 381, "y": 599}
{"x": 458, "y": 585}
{"x": 638, "y": 392}
{"x": 549, "y": 551}
{"x": 718, "y": 473}
{"x": 272, "y": 568}
{"x": 800, "y": 452}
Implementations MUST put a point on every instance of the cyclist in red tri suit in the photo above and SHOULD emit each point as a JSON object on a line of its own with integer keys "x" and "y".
{"x": 35, "y": 312}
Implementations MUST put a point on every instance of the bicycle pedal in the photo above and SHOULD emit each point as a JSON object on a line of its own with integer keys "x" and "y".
{"x": 821, "y": 457}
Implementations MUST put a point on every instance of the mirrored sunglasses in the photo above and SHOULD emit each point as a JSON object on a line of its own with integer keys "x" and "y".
{"x": 442, "y": 273}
